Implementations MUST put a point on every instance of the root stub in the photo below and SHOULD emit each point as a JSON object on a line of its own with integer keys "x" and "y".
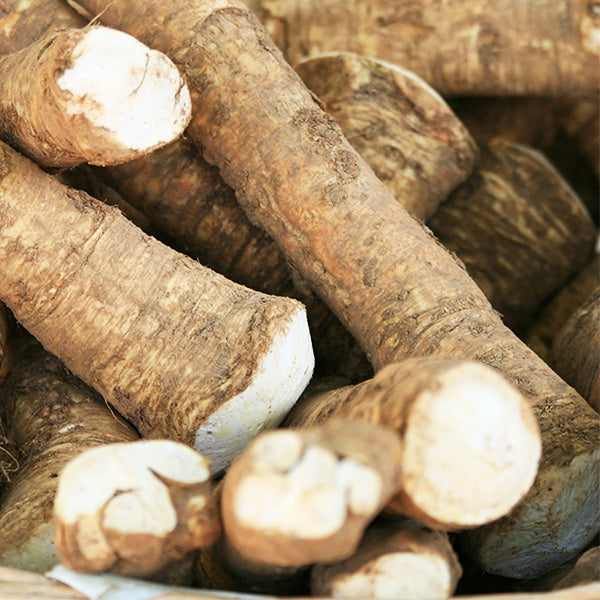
{"x": 298, "y": 497}
{"x": 134, "y": 508}
{"x": 59, "y": 108}
{"x": 395, "y": 559}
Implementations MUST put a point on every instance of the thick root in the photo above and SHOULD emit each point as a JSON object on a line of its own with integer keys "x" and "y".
{"x": 459, "y": 422}
{"x": 298, "y": 497}
{"x": 58, "y": 108}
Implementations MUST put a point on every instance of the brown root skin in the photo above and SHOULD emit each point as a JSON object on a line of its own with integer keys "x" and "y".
{"x": 430, "y": 402}
{"x": 53, "y": 107}
{"x": 134, "y": 508}
{"x": 405, "y": 131}
{"x": 395, "y": 559}
{"x": 294, "y": 498}
{"x": 86, "y": 178}
{"x": 398, "y": 292}
{"x": 574, "y": 353}
{"x": 199, "y": 214}
{"x": 172, "y": 345}
{"x": 51, "y": 417}
{"x": 471, "y": 49}
{"x": 518, "y": 227}
{"x": 555, "y": 313}
{"x": 22, "y": 23}
{"x": 196, "y": 211}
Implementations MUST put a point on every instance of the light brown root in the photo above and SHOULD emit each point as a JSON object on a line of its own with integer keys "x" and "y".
{"x": 50, "y": 418}
{"x": 575, "y": 352}
{"x": 556, "y": 312}
{"x": 459, "y": 422}
{"x": 169, "y": 343}
{"x": 518, "y": 227}
{"x": 402, "y": 127}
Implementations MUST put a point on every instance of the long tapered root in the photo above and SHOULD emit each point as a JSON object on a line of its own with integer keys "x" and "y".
{"x": 298, "y": 497}
{"x": 134, "y": 508}
{"x": 179, "y": 350}
{"x": 96, "y": 95}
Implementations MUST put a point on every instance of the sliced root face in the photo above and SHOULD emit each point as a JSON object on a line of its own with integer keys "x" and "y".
{"x": 134, "y": 507}
{"x": 315, "y": 490}
{"x": 471, "y": 451}
{"x": 393, "y": 576}
{"x": 121, "y": 86}
{"x": 279, "y": 381}
{"x": 525, "y": 552}
{"x": 293, "y": 500}
{"x": 395, "y": 559}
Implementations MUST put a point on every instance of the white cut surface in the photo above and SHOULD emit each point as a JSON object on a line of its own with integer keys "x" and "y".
{"x": 472, "y": 448}
{"x": 118, "y": 481}
{"x": 397, "y": 575}
{"x": 280, "y": 378}
{"x": 311, "y": 499}
{"x": 121, "y": 85}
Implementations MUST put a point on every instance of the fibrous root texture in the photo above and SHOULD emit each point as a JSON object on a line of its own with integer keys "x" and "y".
{"x": 175, "y": 347}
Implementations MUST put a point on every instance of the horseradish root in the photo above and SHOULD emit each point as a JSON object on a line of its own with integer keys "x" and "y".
{"x": 555, "y": 313}
{"x": 188, "y": 200}
{"x": 59, "y": 108}
{"x": 179, "y": 350}
{"x": 459, "y": 422}
{"x": 50, "y": 418}
{"x": 518, "y": 227}
{"x": 134, "y": 508}
{"x": 399, "y": 292}
{"x": 575, "y": 352}
{"x": 294, "y": 498}
{"x": 500, "y": 48}
{"x": 395, "y": 559}
{"x": 397, "y": 123}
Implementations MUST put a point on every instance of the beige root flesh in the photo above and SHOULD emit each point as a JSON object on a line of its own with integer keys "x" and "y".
{"x": 134, "y": 508}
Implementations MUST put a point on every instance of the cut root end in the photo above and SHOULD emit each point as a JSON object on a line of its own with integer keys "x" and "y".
{"x": 280, "y": 378}
{"x": 472, "y": 449}
{"x": 124, "y": 88}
